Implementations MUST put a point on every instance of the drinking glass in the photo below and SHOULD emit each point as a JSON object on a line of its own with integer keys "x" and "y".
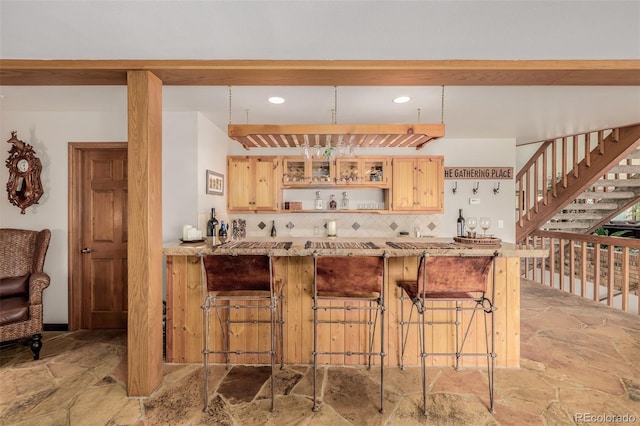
{"x": 485, "y": 223}
{"x": 306, "y": 150}
{"x": 472, "y": 222}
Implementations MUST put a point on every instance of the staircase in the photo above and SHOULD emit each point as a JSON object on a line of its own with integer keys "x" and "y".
{"x": 575, "y": 183}
{"x": 615, "y": 191}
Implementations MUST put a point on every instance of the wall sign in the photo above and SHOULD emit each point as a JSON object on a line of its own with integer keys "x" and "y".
{"x": 491, "y": 173}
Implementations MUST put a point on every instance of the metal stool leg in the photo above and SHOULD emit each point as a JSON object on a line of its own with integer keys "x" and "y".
{"x": 423, "y": 355}
{"x": 281, "y": 327}
{"x": 272, "y": 331}
{"x": 315, "y": 358}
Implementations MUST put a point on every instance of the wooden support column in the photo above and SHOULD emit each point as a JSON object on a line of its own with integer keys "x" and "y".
{"x": 144, "y": 97}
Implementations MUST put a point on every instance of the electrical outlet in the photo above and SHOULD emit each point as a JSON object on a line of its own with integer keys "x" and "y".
{"x": 500, "y": 223}
{"x": 474, "y": 200}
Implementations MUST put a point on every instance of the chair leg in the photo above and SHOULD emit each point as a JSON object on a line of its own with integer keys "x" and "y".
{"x": 36, "y": 345}
{"x": 457, "y": 327}
{"x": 272, "y": 331}
{"x": 281, "y": 326}
{"x": 205, "y": 354}
{"x": 405, "y": 336}
{"x": 490, "y": 359}
{"x": 315, "y": 354}
{"x": 382, "y": 354}
{"x": 423, "y": 354}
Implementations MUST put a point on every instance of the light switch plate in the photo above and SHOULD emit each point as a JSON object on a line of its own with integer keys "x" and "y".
{"x": 474, "y": 200}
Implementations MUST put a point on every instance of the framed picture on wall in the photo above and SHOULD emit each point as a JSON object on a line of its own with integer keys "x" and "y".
{"x": 215, "y": 183}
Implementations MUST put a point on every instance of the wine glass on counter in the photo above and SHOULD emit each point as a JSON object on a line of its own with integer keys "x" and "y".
{"x": 472, "y": 222}
{"x": 485, "y": 223}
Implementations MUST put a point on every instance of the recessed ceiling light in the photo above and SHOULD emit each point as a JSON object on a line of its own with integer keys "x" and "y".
{"x": 276, "y": 100}
{"x": 402, "y": 99}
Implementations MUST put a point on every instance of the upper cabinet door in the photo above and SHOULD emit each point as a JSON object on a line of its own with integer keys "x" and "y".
{"x": 418, "y": 184}
{"x": 404, "y": 184}
{"x": 266, "y": 184}
{"x": 239, "y": 182}
{"x": 298, "y": 172}
{"x": 430, "y": 184}
{"x": 252, "y": 183}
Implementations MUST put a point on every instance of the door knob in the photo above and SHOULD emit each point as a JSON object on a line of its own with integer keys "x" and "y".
{"x": 86, "y": 250}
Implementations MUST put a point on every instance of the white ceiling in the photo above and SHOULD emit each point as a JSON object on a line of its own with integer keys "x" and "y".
{"x": 353, "y": 29}
{"x": 527, "y": 114}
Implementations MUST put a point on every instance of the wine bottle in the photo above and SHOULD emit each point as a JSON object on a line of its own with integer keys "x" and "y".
{"x": 460, "y": 230}
{"x": 212, "y": 224}
{"x": 222, "y": 234}
{"x": 273, "y": 228}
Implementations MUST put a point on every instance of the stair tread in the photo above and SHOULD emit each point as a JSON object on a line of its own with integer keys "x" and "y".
{"x": 601, "y": 195}
{"x": 618, "y": 183}
{"x": 592, "y": 206}
{"x": 625, "y": 168}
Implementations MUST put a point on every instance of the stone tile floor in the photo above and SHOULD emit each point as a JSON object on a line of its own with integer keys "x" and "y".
{"x": 580, "y": 363}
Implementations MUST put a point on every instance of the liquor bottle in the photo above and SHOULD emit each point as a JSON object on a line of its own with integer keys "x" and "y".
{"x": 460, "y": 224}
{"x": 344, "y": 203}
{"x": 212, "y": 224}
{"x": 333, "y": 204}
{"x": 222, "y": 234}
{"x": 318, "y": 205}
{"x": 273, "y": 228}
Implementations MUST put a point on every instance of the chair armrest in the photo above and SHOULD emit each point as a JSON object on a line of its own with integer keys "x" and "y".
{"x": 38, "y": 281}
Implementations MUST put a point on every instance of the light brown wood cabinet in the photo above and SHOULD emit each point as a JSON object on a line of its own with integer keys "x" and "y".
{"x": 418, "y": 184}
{"x": 253, "y": 183}
{"x": 364, "y": 171}
{"x": 298, "y": 172}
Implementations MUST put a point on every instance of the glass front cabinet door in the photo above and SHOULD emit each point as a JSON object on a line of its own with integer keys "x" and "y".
{"x": 365, "y": 171}
{"x": 298, "y": 172}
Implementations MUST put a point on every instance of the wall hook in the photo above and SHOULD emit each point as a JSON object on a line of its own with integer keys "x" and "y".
{"x": 454, "y": 188}
{"x": 496, "y": 189}
{"x": 476, "y": 187}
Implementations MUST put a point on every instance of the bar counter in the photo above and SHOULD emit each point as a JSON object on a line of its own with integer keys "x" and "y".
{"x": 293, "y": 271}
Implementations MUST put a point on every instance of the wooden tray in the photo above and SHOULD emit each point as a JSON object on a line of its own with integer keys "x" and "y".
{"x": 479, "y": 241}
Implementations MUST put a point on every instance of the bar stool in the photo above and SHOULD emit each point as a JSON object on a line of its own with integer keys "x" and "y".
{"x": 461, "y": 283}
{"x": 349, "y": 279}
{"x": 247, "y": 279}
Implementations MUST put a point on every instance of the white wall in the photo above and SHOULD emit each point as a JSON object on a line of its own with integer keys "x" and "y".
{"x": 189, "y": 141}
{"x": 213, "y": 145}
{"x": 179, "y": 173}
{"x": 49, "y": 133}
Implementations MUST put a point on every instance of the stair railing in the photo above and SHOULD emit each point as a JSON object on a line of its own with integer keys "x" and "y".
{"x": 602, "y": 268}
{"x": 561, "y": 169}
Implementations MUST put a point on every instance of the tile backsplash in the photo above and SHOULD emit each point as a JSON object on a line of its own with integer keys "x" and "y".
{"x": 349, "y": 224}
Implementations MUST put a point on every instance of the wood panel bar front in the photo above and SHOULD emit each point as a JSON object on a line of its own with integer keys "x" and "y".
{"x": 184, "y": 322}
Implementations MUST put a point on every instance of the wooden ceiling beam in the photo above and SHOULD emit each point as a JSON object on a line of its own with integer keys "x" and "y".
{"x": 24, "y": 72}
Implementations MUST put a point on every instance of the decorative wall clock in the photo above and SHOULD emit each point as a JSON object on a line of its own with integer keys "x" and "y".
{"x": 24, "y": 187}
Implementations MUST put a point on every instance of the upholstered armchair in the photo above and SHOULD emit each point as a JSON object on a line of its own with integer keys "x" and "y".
{"x": 22, "y": 281}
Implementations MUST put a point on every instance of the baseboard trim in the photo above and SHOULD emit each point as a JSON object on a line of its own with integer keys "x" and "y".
{"x": 55, "y": 327}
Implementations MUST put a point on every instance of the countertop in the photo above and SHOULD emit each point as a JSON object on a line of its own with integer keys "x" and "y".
{"x": 348, "y": 246}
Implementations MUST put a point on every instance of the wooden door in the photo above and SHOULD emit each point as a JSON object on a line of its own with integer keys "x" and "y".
{"x": 103, "y": 236}
{"x": 404, "y": 184}
{"x": 265, "y": 188}
{"x": 430, "y": 184}
{"x": 240, "y": 184}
